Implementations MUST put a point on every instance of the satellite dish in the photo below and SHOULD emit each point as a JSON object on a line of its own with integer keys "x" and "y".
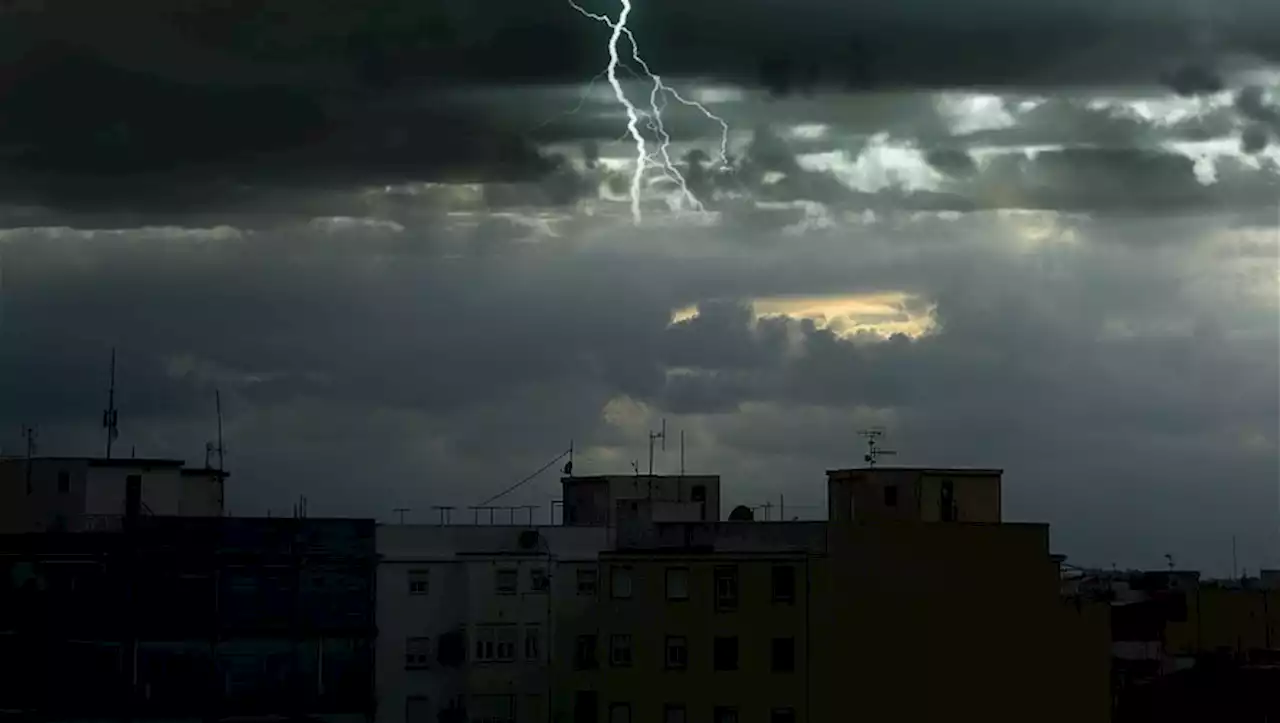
{"x": 742, "y": 513}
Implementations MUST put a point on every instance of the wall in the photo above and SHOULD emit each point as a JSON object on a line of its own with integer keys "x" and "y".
{"x": 976, "y": 496}
{"x": 45, "y": 505}
{"x": 201, "y": 495}
{"x": 648, "y": 617}
{"x": 462, "y": 563}
{"x": 1226, "y": 619}
{"x": 973, "y": 609}
{"x": 594, "y": 500}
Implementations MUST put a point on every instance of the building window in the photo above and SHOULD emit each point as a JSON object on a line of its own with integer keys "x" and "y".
{"x": 620, "y": 581}
{"x": 506, "y": 581}
{"x": 538, "y": 580}
{"x": 677, "y": 655}
{"x": 620, "y": 651}
{"x": 782, "y": 715}
{"x": 532, "y": 642}
{"x": 64, "y": 481}
{"x": 891, "y": 496}
{"x": 677, "y": 583}
{"x": 782, "y": 655}
{"x": 673, "y": 713}
{"x": 726, "y": 587}
{"x": 419, "y": 582}
{"x": 698, "y": 493}
{"x": 495, "y": 643}
{"x": 620, "y": 713}
{"x": 492, "y": 709}
{"x": 587, "y": 578}
{"x": 947, "y": 502}
{"x": 584, "y": 653}
{"x": 417, "y": 709}
{"x": 417, "y": 653}
{"x": 725, "y": 714}
{"x": 585, "y": 706}
{"x": 725, "y": 653}
{"x": 784, "y": 584}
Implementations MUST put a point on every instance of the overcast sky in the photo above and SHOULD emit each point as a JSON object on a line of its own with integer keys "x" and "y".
{"x": 398, "y": 236}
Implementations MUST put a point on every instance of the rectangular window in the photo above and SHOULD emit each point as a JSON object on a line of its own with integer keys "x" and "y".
{"x": 587, "y": 578}
{"x": 620, "y": 581}
{"x": 677, "y": 583}
{"x": 677, "y": 652}
{"x": 782, "y": 715}
{"x": 495, "y": 643}
{"x": 698, "y": 493}
{"x": 726, "y": 587}
{"x": 417, "y": 709}
{"x": 64, "y": 481}
{"x": 620, "y": 713}
{"x": 585, "y": 706}
{"x": 584, "y": 653}
{"x": 417, "y": 653}
{"x": 419, "y": 582}
{"x": 538, "y": 580}
{"x": 673, "y": 713}
{"x": 620, "y": 651}
{"x": 725, "y": 653}
{"x": 782, "y": 655}
{"x": 532, "y": 642}
{"x": 891, "y": 496}
{"x": 505, "y": 581}
{"x": 492, "y": 709}
{"x": 784, "y": 584}
{"x": 726, "y": 714}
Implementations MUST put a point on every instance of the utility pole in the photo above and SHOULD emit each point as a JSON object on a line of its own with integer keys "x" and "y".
{"x": 110, "y": 417}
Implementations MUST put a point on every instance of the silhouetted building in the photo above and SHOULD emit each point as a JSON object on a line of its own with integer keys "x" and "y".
{"x": 606, "y": 499}
{"x": 76, "y": 494}
{"x": 190, "y": 618}
{"x": 875, "y": 494}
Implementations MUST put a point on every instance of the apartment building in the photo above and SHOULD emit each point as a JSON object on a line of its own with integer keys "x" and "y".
{"x": 76, "y": 494}
{"x": 467, "y": 614}
{"x": 190, "y": 619}
{"x": 694, "y": 622}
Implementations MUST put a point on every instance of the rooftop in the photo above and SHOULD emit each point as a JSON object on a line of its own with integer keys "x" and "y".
{"x": 103, "y": 461}
{"x": 954, "y": 471}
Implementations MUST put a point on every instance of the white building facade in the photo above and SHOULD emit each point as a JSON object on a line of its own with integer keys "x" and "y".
{"x": 75, "y": 494}
{"x": 467, "y": 614}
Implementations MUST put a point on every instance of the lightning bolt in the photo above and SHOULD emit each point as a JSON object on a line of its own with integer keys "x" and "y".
{"x": 661, "y": 159}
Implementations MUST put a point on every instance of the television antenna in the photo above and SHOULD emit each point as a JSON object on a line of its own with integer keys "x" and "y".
{"x": 874, "y": 452}
{"x": 657, "y": 436}
{"x": 209, "y": 448}
{"x": 110, "y": 416}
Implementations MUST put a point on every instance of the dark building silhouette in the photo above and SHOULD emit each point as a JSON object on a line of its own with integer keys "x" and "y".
{"x": 190, "y": 618}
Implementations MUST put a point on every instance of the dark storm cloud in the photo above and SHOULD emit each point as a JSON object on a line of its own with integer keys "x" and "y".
{"x": 366, "y": 371}
{"x": 175, "y": 106}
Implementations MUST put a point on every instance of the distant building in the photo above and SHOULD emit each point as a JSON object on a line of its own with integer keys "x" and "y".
{"x": 607, "y": 499}
{"x": 75, "y": 494}
{"x": 921, "y": 494}
{"x": 190, "y": 619}
{"x": 466, "y": 616}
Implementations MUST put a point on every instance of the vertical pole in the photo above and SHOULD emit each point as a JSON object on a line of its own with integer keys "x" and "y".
{"x": 1234, "y": 569}
{"x": 109, "y": 418}
{"x": 782, "y": 509}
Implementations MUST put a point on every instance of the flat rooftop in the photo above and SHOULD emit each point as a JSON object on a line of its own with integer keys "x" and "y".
{"x": 954, "y": 471}
{"x": 103, "y": 461}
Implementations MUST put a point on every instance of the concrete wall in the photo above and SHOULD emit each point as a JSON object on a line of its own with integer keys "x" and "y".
{"x": 45, "y": 506}
{"x": 648, "y": 617}
{"x": 462, "y": 564}
{"x": 860, "y": 494}
{"x": 945, "y": 622}
{"x": 1226, "y": 619}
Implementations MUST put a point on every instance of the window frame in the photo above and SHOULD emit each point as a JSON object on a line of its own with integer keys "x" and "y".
{"x": 719, "y": 666}
{"x": 621, "y": 643}
{"x": 677, "y": 570}
{"x": 614, "y": 578}
{"x": 417, "y": 652}
{"x": 499, "y": 574}
{"x": 774, "y": 577}
{"x": 588, "y": 662}
{"x": 419, "y": 576}
{"x": 726, "y": 573}
{"x": 773, "y": 655}
{"x": 668, "y": 644}
{"x": 539, "y": 580}
{"x": 588, "y": 581}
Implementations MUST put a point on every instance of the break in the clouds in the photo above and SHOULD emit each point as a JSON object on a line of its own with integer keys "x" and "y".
{"x": 396, "y": 237}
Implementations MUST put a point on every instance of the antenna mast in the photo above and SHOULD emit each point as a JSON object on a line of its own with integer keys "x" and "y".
{"x": 110, "y": 417}
{"x": 873, "y": 452}
{"x": 655, "y": 436}
{"x": 209, "y": 447}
